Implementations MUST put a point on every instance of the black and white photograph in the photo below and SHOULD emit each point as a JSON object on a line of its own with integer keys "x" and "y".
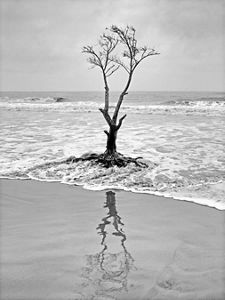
{"x": 112, "y": 149}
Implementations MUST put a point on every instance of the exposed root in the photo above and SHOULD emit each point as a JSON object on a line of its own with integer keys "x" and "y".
{"x": 109, "y": 160}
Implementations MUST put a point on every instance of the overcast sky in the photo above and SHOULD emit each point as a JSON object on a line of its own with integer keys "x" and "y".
{"x": 41, "y": 43}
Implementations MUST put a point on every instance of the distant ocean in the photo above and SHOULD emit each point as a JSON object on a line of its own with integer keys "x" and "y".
{"x": 181, "y": 133}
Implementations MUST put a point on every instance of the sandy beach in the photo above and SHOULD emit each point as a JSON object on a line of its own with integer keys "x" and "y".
{"x": 63, "y": 242}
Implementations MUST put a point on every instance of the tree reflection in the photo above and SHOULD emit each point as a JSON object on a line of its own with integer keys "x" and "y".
{"x": 106, "y": 272}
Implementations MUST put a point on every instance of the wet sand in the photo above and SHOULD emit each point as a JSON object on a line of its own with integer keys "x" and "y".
{"x": 63, "y": 242}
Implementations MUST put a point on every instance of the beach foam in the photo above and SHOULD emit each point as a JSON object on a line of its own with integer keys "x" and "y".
{"x": 150, "y": 180}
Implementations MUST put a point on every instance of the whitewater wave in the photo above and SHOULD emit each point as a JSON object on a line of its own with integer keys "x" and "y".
{"x": 207, "y": 190}
{"x": 203, "y": 101}
{"x": 34, "y": 100}
{"x": 200, "y": 106}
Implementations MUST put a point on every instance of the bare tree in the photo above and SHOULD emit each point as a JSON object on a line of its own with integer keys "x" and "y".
{"x": 103, "y": 57}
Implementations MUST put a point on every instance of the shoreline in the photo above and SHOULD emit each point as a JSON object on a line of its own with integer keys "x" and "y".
{"x": 64, "y": 242}
{"x": 198, "y": 201}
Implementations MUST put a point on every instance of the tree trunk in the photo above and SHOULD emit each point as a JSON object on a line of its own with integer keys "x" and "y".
{"x": 111, "y": 140}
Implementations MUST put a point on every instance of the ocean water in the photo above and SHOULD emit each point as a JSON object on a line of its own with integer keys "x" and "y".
{"x": 180, "y": 135}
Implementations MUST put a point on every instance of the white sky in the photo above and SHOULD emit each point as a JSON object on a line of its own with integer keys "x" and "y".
{"x": 41, "y": 43}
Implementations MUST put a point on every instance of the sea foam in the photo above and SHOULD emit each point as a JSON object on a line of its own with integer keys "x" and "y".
{"x": 202, "y": 106}
{"x": 149, "y": 180}
{"x": 182, "y": 139}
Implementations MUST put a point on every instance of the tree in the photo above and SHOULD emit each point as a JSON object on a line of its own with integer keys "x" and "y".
{"x": 109, "y": 61}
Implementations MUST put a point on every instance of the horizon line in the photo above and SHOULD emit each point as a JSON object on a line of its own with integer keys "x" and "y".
{"x": 115, "y": 91}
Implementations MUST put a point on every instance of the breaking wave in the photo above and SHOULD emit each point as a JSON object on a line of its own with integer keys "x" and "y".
{"x": 198, "y": 188}
{"x": 199, "y": 106}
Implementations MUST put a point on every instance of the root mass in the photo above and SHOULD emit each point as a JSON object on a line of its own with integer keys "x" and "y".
{"x": 109, "y": 160}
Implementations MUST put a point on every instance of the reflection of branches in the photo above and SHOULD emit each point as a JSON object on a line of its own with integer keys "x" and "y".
{"x": 107, "y": 272}
{"x": 116, "y": 222}
{"x": 111, "y": 204}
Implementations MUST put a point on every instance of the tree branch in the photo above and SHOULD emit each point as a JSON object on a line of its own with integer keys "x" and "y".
{"x": 106, "y": 116}
{"x": 129, "y": 59}
{"x": 119, "y": 62}
{"x": 114, "y": 70}
{"x": 95, "y": 58}
{"x": 120, "y": 122}
{"x": 124, "y": 92}
{"x": 106, "y": 91}
{"x": 143, "y": 56}
{"x": 100, "y": 57}
{"x": 133, "y": 53}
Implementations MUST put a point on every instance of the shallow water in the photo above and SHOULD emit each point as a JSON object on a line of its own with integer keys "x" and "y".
{"x": 181, "y": 136}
